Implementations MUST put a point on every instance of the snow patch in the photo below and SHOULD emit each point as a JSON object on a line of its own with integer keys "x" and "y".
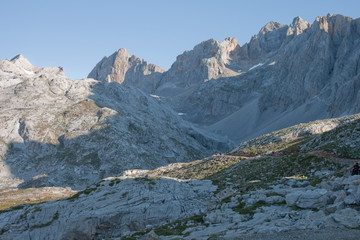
{"x": 28, "y": 72}
{"x": 154, "y": 96}
{"x": 255, "y": 66}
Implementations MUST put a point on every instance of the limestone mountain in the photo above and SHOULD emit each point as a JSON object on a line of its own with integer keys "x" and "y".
{"x": 299, "y": 73}
{"x": 61, "y": 132}
{"x": 208, "y": 60}
{"x": 122, "y": 68}
{"x": 285, "y": 75}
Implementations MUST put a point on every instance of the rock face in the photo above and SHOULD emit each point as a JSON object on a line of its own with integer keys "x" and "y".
{"x": 209, "y": 60}
{"x": 299, "y": 73}
{"x": 284, "y": 75}
{"x": 75, "y": 132}
{"x": 122, "y": 68}
{"x": 112, "y": 208}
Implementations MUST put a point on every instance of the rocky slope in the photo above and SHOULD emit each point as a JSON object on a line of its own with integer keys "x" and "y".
{"x": 300, "y": 73}
{"x": 285, "y": 75}
{"x": 306, "y": 190}
{"x": 61, "y": 132}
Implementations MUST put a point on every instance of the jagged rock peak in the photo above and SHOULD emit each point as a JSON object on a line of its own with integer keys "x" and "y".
{"x": 228, "y": 42}
{"x": 20, "y": 61}
{"x": 271, "y": 26}
{"x": 122, "y": 67}
{"x": 122, "y": 52}
{"x": 298, "y": 26}
{"x": 337, "y": 26}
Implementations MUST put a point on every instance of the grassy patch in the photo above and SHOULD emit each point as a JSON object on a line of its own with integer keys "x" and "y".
{"x": 18, "y": 207}
{"x": 54, "y": 218}
{"x": 177, "y": 227}
{"x": 259, "y": 173}
{"x": 13, "y": 197}
{"x": 226, "y": 200}
{"x": 114, "y": 182}
{"x": 243, "y": 209}
{"x": 199, "y": 169}
{"x": 78, "y": 194}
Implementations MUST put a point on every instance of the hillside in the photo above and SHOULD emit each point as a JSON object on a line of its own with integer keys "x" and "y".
{"x": 71, "y": 133}
{"x": 241, "y": 194}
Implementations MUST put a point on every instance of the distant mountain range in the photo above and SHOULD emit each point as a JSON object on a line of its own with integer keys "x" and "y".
{"x": 285, "y": 75}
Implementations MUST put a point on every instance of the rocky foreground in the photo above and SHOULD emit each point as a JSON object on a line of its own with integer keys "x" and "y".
{"x": 302, "y": 191}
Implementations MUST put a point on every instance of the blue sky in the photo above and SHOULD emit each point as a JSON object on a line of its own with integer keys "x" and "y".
{"x": 76, "y": 34}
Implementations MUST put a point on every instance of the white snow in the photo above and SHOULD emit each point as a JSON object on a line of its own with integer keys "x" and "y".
{"x": 28, "y": 72}
{"x": 154, "y": 96}
{"x": 181, "y": 114}
{"x": 255, "y": 66}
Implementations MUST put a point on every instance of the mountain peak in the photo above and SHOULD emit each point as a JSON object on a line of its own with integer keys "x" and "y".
{"x": 271, "y": 26}
{"x": 297, "y": 21}
{"x": 123, "y": 67}
{"x": 298, "y": 25}
{"x": 122, "y": 52}
{"x": 20, "y": 61}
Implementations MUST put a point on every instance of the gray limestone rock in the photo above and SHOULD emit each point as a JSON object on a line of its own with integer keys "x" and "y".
{"x": 112, "y": 208}
{"x": 125, "y": 69}
{"x": 284, "y": 75}
{"x": 75, "y": 132}
{"x": 308, "y": 199}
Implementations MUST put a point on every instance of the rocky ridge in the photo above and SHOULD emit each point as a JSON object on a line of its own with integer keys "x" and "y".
{"x": 61, "y": 132}
{"x": 285, "y": 75}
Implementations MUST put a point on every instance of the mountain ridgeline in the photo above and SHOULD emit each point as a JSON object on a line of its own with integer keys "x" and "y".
{"x": 128, "y": 153}
{"x": 61, "y": 132}
{"x": 285, "y": 75}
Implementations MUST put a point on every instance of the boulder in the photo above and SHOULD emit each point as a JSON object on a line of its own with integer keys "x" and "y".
{"x": 308, "y": 199}
{"x": 347, "y": 217}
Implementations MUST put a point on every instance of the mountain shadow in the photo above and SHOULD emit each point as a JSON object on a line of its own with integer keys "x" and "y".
{"x": 60, "y": 132}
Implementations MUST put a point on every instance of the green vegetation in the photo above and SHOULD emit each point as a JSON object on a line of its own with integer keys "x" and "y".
{"x": 18, "y": 207}
{"x": 258, "y": 173}
{"x": 54, "y": 218}
{"x": 226, "y": 200}
{"x": 290, "y": 147}
{"x": 175, "y": 228}
{"x": 114, "y": 182}
{"x": 77, "y": 195}
{"x": 12, "y": 199}
{"x": 242, "y": 209}
{"x": 199, "y": 169}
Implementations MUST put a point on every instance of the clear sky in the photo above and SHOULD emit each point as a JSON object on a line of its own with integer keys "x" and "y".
{"x": 77, "y": 34}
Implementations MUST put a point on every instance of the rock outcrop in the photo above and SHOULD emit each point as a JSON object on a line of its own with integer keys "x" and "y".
{"x": 75, "y": 132}
{"x": 208, "y": 60}
{"x": 125, "y": 69}
{"x": 112, "y": 208}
